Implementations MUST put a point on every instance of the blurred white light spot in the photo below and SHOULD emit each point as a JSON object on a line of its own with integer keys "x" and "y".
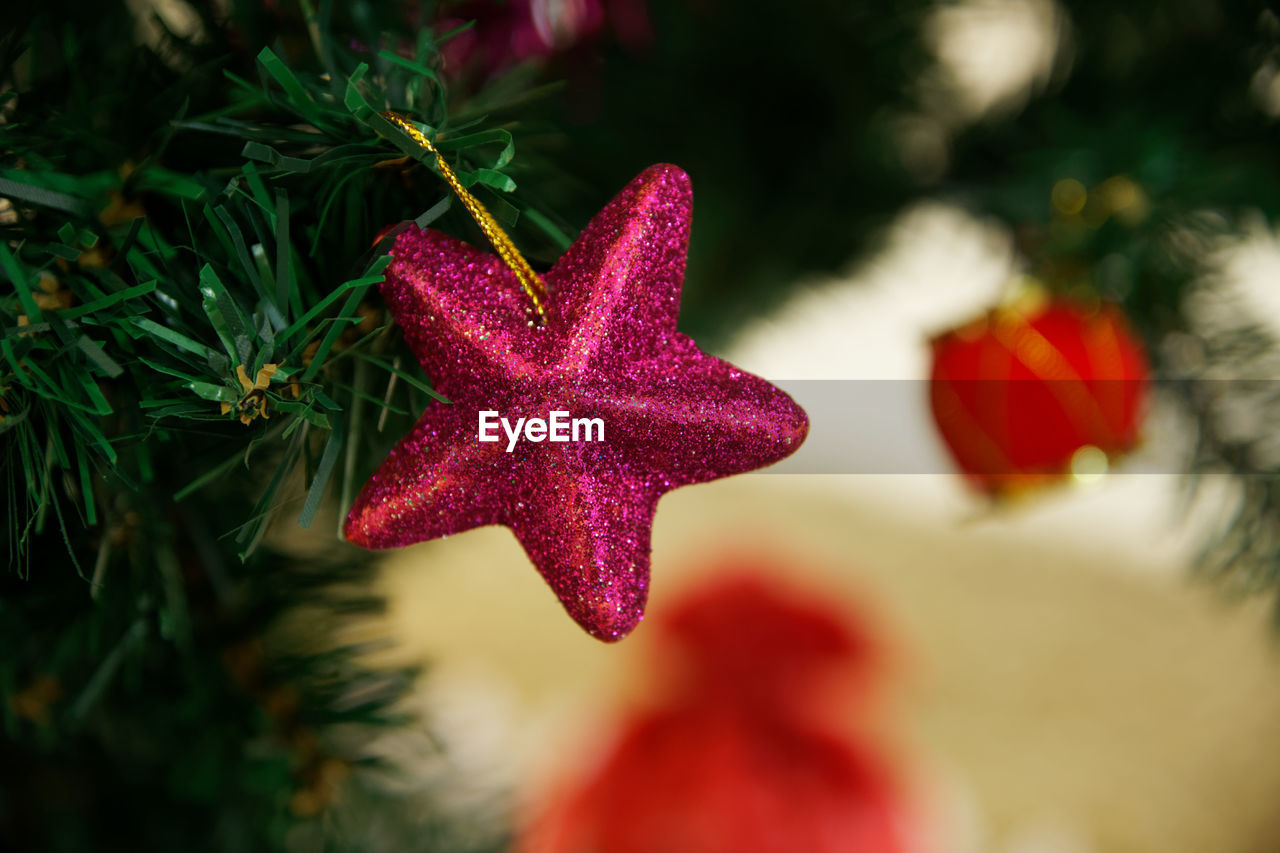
{"x": 157, "y": 21}
{"x": 1265, "y": 88}
{"x": 1246, "y": 285}
{"x": 995, "y": 53}
{"x": 1088, "y": 465}
{"x": 560, "y": 23}
{"x": 938, "y": 266}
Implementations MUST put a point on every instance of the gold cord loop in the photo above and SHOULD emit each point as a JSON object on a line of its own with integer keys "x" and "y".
{"x": 529, "y": 280}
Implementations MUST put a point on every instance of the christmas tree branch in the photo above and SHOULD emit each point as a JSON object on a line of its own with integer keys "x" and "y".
{"x": 205, "y": 297}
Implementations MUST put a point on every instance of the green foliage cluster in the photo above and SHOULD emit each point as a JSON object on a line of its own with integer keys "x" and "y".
{"x": 192, "y": 343}
{"x": 181, "y": 287}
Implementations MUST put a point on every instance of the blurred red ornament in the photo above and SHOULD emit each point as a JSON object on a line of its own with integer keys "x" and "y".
{"x": 748, "y": 641}
{"x": 746, "y": 749}
{"x": 1022, "y": 395}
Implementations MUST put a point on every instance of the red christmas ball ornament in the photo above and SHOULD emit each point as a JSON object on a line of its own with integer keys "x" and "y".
{"x": 1025, "y": 395}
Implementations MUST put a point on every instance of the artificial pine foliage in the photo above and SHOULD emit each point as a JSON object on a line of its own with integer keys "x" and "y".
{"x": 191, "y": 348}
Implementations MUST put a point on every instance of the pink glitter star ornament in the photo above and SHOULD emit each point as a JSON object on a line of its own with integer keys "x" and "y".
{"x": 609, "y": 349}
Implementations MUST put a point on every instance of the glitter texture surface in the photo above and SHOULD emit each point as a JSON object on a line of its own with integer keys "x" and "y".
{"x": 609, "y": 349}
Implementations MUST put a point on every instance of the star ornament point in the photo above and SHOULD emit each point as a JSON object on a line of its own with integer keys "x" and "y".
{"x": 609, "y": 349}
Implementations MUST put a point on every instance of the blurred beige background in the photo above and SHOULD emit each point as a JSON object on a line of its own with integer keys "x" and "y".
{"x": 1042, "y": 698}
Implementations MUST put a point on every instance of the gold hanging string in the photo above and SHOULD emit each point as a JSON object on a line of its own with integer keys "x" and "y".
{"x": 529, "y": 280}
